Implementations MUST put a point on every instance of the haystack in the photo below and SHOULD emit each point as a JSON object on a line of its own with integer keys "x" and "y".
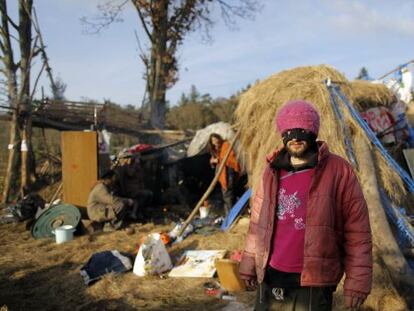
{"x": 255, "y": 117}
{"x": 366, "y": 95}
{"x": 256, "y": 111}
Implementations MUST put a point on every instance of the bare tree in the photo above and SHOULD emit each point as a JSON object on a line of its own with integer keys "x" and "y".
{"x": 17, "y": 77}
{"x": 58, "y": 89}
{"x": 165, "y": 24}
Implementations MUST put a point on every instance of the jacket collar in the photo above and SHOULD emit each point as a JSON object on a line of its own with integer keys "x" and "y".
{"x": 323, "y": 152}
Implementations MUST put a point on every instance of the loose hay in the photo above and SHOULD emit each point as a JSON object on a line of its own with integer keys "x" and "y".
{"x": 366, "y": 95}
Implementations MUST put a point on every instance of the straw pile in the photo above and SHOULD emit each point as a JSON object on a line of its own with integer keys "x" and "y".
{"x": 256, "y": 111}
{"x": 255, "y": 117}
{"x": 366, "y": 95}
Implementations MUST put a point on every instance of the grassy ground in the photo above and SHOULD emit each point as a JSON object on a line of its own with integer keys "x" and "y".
{"x": 41, "y": 275}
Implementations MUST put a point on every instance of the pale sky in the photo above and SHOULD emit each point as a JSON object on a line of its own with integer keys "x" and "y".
{"x": 346, "y": 34}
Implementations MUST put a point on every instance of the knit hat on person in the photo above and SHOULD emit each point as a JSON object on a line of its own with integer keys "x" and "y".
{"x": 297, "y": 114}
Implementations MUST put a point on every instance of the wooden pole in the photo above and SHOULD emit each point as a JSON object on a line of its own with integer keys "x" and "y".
{"x": 211, "y": 187}
{"x": 382, "y": 236}
{"x": 11, "y": 163}
{"x": 394, "y": 70}
{"x": 24, "y": 159}
{"x": 56, "y": 194}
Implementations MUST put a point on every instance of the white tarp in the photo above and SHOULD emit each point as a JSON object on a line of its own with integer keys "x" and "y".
{"x": 402, "y": 88}
{"x": 200, "y": 140}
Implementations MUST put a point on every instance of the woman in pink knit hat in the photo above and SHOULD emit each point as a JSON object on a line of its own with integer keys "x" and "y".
{"x": 309, "y": 223}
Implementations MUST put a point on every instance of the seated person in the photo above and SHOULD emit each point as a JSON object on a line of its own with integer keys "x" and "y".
{"x": 129, "y": 184}
{"x": 104, "y": 207}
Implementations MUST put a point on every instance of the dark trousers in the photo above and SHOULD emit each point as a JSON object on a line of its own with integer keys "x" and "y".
{"x": 228, "y": 200}
{"x": 295, "y": 299}
{"x": 229, "y": 195}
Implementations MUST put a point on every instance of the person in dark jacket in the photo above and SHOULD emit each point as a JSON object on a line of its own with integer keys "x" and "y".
{"x": 309, "y": 223}
{"x": 129, "y": 183}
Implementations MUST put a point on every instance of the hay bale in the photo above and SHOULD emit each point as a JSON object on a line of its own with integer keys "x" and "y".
{"x": 366, "y": 94}
{"x": 255, "y": 118}
{"x": 256, "y": 111}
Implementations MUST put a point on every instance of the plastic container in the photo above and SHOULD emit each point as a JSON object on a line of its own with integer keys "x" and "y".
{"x": 63, "y": 233}
{"x": 203, "y": 212}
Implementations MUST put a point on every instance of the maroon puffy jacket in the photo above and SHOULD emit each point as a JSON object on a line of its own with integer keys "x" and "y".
{"x": 337, "y": 232}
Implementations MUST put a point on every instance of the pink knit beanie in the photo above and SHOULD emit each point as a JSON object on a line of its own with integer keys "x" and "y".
{"x": 297, "y": 114}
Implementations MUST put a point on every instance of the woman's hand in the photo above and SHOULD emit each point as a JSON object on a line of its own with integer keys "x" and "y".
{"x": 213, "y": 161}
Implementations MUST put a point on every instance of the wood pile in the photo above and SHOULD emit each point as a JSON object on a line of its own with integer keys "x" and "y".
{"x": 66, "y": 115}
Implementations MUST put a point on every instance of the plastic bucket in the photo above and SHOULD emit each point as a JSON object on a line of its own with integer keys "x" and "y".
{"x": 203, "y": 212}
{"x": 64, "y": 233}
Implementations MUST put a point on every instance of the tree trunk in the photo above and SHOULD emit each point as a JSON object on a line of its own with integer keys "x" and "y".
{"x": 10, "y": 69}
{"x": 12, "y": 171}
{"x": 383, "y": 238}
{"x": 158, "y": 72}
{"x": 25, "y": 42}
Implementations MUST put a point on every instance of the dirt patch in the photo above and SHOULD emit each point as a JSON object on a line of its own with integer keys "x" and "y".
{"x": 41, "y": 275}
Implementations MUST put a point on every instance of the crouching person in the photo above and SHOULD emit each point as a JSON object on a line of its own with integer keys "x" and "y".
{"x": 104, "y": 207}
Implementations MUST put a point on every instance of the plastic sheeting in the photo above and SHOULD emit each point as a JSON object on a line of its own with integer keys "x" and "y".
{"x": 200, "y": 140}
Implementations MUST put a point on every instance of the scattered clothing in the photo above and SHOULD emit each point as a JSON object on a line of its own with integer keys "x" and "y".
{"x": 103, "y": 263}
{"x": 26, "y": 208}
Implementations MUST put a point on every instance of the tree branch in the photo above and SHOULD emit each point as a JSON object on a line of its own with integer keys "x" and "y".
{"x": 245, "y": 10}
{"x": 143, "y": 56}
{"x": 2, "y": 48}
{"x": 37, "y": 81}
{"x": 15, "y": 26}
{"x": 142, "y": 19}
{"x": 110, "y": 13}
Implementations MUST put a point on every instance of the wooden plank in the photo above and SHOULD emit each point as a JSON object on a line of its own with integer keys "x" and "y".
{"x": 79, "y": 166}
{"x": 228, "y": 273}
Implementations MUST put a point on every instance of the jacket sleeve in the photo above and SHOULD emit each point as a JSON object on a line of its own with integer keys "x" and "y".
{"x": 357, "y": 239}
{"x": 232, "y": 159}
{"x": 247, "y": 267}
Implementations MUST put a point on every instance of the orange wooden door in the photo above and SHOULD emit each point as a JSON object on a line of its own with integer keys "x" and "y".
{"x": 79, "y": 166}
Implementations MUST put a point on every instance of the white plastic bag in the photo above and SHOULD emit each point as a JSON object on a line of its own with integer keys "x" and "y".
{"x": 152, "y": 257}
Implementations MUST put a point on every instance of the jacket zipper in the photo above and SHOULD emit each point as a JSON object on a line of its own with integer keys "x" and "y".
{"x": 273, "y": 215}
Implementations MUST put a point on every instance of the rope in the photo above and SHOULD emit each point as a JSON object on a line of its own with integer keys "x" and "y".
{"x": 405, "y": 229}
{"x": 344, "y": 128}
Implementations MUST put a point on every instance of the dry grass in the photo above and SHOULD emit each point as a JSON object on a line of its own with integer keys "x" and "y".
{"x": 41, "y": 275}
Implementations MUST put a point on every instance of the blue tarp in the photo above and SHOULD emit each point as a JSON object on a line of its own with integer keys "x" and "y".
{"x": 236, "y": 209}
